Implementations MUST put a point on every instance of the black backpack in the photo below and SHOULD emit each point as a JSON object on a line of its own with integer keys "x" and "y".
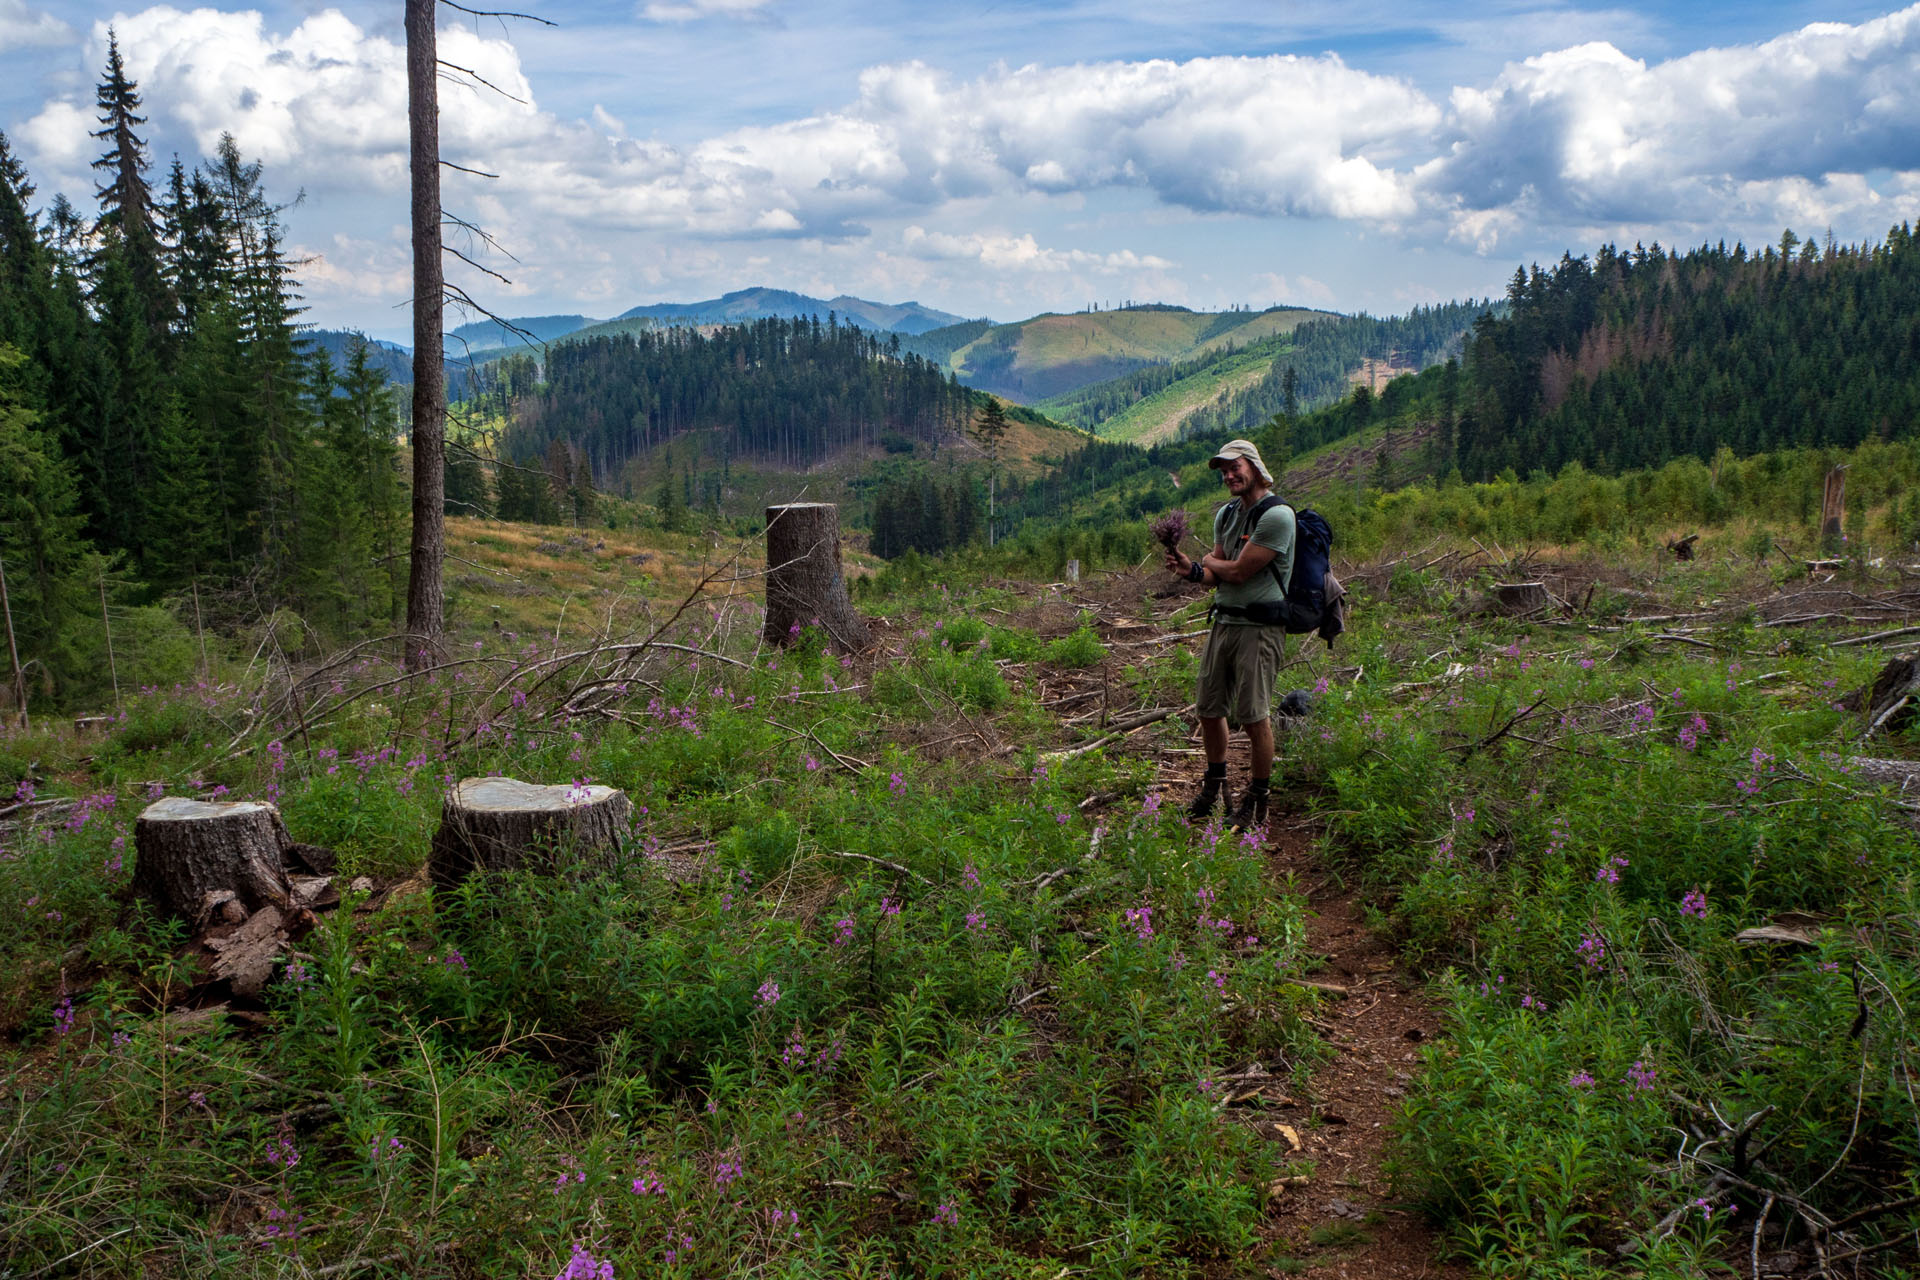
{"x": 1315, "y": 601}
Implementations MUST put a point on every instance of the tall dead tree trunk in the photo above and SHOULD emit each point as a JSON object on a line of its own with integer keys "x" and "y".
{"x": 426, "y": 607}
{"x": 805, "y": 585}
{"x": 1833, "y": 509}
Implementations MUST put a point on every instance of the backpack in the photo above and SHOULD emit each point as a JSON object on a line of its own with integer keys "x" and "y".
{"x": 1316, "y": 602}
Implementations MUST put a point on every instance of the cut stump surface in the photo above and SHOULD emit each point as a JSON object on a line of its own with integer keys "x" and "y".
{"x": 502, "y": 824}
{"x": 190, "y": 853}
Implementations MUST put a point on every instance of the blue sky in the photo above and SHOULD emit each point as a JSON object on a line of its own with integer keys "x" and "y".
{"x": 1001, "y": 157}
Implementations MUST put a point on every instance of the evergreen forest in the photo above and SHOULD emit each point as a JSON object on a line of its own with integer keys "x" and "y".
{"x": 1630, "y": 359}
{"x": 175, "y": 455}
{"x": 789, "y": 392}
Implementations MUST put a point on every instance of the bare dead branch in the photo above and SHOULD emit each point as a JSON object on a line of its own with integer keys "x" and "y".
{"x": 469, "y": 71}
{"x": 500, "y": 13}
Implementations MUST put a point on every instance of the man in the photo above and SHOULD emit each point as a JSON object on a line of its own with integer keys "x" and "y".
{"x": 1249, "y": 566}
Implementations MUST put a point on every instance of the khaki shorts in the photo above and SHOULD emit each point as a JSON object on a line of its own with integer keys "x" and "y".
{"x": 1238, "y": 669}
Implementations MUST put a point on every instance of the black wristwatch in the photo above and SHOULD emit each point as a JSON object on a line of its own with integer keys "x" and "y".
{"x": 1198, "y": 573}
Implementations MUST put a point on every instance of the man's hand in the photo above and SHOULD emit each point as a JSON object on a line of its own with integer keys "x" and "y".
{"x": 1179, "y": 563}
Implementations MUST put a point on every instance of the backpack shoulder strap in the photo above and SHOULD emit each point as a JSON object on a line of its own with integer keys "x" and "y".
{"x": 1265, "y": 505}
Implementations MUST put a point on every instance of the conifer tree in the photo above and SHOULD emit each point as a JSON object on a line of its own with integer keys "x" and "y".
{"x": 127, "y": 223}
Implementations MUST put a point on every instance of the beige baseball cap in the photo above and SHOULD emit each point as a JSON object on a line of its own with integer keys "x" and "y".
{"x": 1241, "y": 449}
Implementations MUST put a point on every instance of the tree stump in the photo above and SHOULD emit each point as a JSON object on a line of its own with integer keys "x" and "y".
{"x": 501, "y": 824}
{"x": 193, "y": 856}
{"x": 1682, "y": 548}
{"x": 1519, "y": 597}
{"x": 1890, "y": 701}
{"x": 805, "y": 586}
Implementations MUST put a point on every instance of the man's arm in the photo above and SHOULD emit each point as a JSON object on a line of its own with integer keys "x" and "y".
{"x": 1181, "y": 563}
{"x": 1252, "y": 562}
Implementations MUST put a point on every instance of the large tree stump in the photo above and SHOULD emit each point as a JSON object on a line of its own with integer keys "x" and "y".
{"x": 193, "y": 856}
{"x": 1890, "y": 701}
{"x": 501, "y": 824}
{"x": 805, "y": 586}
{"x": 1519, "y": 597}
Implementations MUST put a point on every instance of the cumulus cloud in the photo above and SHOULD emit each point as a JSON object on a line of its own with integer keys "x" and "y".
{"x": 1590, "y": 136}
{"x": 25, "y": 28}
{"x": 1805, "y": 128}
{"x": 325, "y": 100}
{"x": 1001, "y": 252}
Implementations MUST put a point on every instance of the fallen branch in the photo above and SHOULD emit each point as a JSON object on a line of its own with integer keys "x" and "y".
{"x": 882, "y": 862}
{"x": 1120, "y": 729}
{"x": 852, "y": 764}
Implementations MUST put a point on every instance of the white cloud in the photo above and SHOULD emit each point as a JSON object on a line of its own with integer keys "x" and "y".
{"x": 25, "y": 28}
{"x": 325, "y": 101}
{"x": 1022, "y": 253}
{"x": 690, "y": 10}
{"x": 1590, "y": 137}
{"x": 921, "y": 177}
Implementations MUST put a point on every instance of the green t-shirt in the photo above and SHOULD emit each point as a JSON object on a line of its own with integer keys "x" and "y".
{"x": 1230, "y": 534}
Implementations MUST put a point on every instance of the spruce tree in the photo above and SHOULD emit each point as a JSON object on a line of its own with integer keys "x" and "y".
{"x": 127, "y": 224}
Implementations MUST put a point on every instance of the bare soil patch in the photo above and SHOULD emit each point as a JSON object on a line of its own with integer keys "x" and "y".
{"x": 1344, "y": 1220}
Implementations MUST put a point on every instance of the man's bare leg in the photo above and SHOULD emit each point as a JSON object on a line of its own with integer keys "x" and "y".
{"x": 1213, "y": 736}
{"x": 1260, "y": 743}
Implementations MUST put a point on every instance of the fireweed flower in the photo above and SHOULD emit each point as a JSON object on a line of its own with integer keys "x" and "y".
{"x": 729, "y": 1169}
{"x": 1593, "y": 950}
{"x": 1694, "y": 904}
{"x": 769, "y": 993}
{"x": 63, "y": 1015}
{"x": 969, "y": 877}
{"x": 1639, "y": 1077}
{"x": 896, "y": 784}
{"x": 888, "y": 907}
{"x": 946, "y": 1215}
{"x": 976, "y": 923}
{"x": 1609, "y": 872}
{"x": 1140, "y": 920}
{"x": 1580, "y": 1080}
{"x": 842, "y": 931}
{"x": 584, "y": 1266}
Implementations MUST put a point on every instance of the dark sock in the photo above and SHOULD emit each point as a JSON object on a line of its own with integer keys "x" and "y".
{"x": 1259, "y": 786}
{"x": 1217, "y": 771}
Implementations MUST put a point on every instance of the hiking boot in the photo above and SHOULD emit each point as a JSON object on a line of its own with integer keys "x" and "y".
{"x": 1250, "y": 813}
{"x": 1206, "y": 801}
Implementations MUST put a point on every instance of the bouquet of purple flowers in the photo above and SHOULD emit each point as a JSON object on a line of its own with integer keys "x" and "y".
{"x": 1170, "y": 528}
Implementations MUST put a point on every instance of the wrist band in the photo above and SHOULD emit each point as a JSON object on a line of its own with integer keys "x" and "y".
{"x": 1198, "y": 573}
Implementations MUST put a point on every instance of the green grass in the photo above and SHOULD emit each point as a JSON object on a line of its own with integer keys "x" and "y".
{"x": 1159, "y": 416}
{"x": 899, "y": 993}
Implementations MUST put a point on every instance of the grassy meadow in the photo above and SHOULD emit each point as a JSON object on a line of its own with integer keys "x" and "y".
{"x": 880, "y": 987}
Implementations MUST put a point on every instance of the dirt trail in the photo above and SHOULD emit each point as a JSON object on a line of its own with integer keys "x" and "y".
{"x": 1344, "y": 1221}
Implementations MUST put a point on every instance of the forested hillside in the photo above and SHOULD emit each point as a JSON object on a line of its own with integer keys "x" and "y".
{"x": 164, "y": 429}
{"x": 1629, "y": 359}
{"x": 1322, "y": 352}
{"x": 1054, "y": 354}
{"x": 791, "y": 392}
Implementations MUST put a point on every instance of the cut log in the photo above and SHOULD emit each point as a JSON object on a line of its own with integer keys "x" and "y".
{"x": 1519, "y": 597}
{"x": 501, "y": 824}
{"x": 805, "y": 585}
{"x": 193, "y": 856}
